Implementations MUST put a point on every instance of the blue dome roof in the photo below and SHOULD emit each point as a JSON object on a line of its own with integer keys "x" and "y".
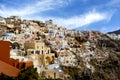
{"x": 59, "y": 68}
{"x": 5, "y": 34}
{"x": 51, "y": 31}
{"x": 60, "y": 36}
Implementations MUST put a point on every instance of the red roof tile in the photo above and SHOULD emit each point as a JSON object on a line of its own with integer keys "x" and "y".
{"x": 8, "y": 69}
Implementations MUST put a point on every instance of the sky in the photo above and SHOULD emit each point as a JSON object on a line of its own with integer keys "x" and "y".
{"x": 100, "y": 15}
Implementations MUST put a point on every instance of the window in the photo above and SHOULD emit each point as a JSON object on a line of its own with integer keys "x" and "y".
{"x": 37, "y": 52}
{"x": 48, "y": 51}
{"x": 42, "y": 51}
{"x": 32, "y": 52}
{"x": 54, "y": 75}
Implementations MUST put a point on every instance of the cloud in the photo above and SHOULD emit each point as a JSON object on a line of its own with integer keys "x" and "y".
{"x": 83, "y": 20}
{"x": 39, "y": 6}
{"x": 114, "y": 3}
{"x": 32, "y": 8}
{"x": 106, "y": 29}
{"x": 79, "y": 20}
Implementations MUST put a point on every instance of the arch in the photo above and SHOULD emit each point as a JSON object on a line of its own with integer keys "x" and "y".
{"x": 15, "y": 45}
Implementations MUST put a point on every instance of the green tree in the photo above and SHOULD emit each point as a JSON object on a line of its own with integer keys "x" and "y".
{"x": 29, "y": 73}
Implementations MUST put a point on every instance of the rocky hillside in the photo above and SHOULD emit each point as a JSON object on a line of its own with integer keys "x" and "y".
{"x": 104, "y": 62}
{"x": 80, "y": 55}
{"x": 115, "y": 32}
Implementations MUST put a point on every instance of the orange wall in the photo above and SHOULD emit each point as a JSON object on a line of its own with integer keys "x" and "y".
{"x": 5, "y": 56}
{"x": 5, "y": 51}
